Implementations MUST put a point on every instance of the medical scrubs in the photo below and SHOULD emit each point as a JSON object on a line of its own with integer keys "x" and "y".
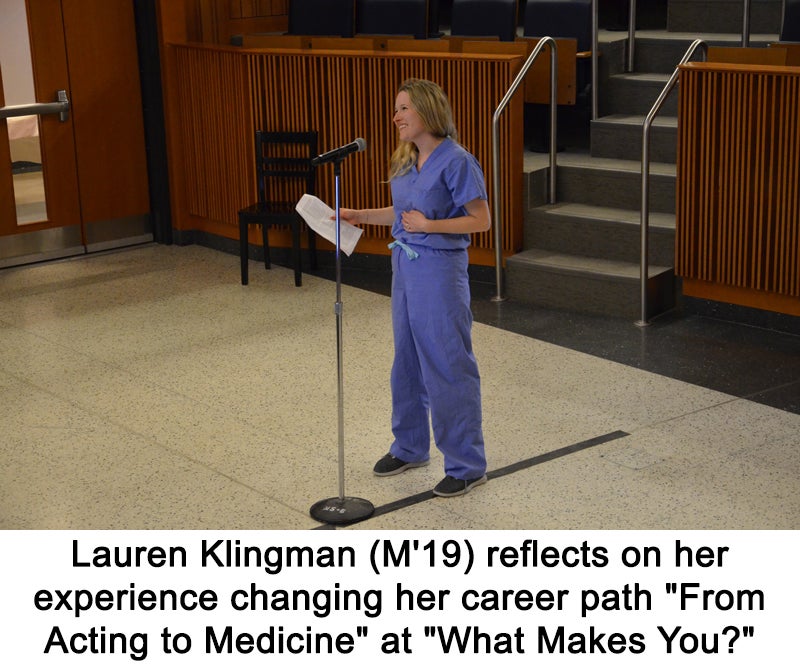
{"x": 434, "y": 368}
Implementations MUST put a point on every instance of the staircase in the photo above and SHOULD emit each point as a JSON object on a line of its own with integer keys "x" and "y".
{"x": 583, "y": 252}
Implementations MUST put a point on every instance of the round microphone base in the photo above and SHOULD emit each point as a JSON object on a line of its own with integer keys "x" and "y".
{"x": 342, "y": 511}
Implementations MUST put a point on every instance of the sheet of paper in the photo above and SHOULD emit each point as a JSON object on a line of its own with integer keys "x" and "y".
{"x": 319, "y": 216}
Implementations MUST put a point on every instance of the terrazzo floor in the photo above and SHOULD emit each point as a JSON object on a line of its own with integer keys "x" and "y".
{"x": 147, "y": 389}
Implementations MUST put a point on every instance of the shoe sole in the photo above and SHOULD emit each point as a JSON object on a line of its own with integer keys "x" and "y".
{"x": 466, "y": 489}
{"x": 403, "y": 468}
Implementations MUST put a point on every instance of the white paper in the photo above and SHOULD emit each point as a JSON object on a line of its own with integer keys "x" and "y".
{"x": 319, "y": 216}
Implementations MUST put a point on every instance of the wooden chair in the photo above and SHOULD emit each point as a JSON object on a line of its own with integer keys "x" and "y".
{"x": 284, "y": 172}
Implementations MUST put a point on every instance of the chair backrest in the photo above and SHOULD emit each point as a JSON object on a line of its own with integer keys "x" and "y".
{"x": 560, "y": 18}
{"x": 322, "y": 17}
{"x": 392, "y": 17}
{"x": 484, "y": 18}
{"x": 283, "y": 165}
{"x": 790, "y": 25}
{"x": 434, "y": 14}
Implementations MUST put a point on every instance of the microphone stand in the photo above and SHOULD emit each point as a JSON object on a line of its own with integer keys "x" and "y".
{"x": 341, "y": 510}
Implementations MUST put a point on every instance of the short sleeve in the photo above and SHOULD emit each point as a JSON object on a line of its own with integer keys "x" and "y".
{"x": 464, "y": 178}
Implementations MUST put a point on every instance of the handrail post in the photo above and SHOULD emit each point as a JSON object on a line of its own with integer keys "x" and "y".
{"x": 595, "y": 57}
{"x": 498, "y": 229}
{"x": 746, "y": 23}
{"x": 631, "y": 33}
{"x": 645, "y": 179}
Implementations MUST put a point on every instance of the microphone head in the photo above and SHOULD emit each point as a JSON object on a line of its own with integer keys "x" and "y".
{"x": 361, "y": 143}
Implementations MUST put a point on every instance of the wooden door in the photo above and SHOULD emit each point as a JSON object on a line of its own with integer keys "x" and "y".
{"x": 92, "y": 173}
{"x": 40, "y": 210}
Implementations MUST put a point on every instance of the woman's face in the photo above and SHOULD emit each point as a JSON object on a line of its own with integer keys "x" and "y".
{"x": 408, "y": 122}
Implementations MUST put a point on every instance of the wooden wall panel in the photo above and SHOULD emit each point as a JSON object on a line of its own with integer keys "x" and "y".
{"x": 215, "y": 21}
{"x": 215, "y": 126}
{"x": 343, "y": 95}
{"x": 738, "y": 200}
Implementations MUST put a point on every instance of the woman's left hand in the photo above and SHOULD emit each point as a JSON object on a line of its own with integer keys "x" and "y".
{"x": 414, "y": 222}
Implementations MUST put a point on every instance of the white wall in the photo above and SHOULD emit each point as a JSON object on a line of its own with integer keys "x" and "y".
{"x": 15, "y": 53}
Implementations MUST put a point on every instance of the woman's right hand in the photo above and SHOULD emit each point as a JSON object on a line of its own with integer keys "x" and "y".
{"x": 352, "y": 216}
{"x": 383, "y": 216}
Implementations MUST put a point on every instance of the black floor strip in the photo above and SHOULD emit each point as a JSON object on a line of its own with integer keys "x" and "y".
{"x": 500, "y": 472}
{"x": 558, "y": 453}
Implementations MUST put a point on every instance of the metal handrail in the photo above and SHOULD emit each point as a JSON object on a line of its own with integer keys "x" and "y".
{"x": 645, "y": 211}
{"x": 498, "y": 229}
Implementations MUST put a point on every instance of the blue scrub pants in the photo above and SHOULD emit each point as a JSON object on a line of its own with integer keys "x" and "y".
{"x": 434, "y": 368}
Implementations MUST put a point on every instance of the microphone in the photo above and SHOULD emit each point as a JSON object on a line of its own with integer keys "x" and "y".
{"x": 359, "y": 144}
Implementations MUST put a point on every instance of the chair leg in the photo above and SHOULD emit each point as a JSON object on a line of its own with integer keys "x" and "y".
{"x": 312, "y": 248}
{"x": 243, "y": 247}
{"x": 265, "y": 238}
{"x": 298, "y": 269}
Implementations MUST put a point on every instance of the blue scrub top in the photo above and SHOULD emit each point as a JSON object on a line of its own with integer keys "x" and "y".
{"x": 449, "y": 179}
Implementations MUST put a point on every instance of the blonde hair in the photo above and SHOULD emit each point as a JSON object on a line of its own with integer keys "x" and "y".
{"x": 433, "y": 107}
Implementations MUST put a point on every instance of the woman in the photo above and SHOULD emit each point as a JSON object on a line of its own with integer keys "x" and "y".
{"x": 439, "y": 198}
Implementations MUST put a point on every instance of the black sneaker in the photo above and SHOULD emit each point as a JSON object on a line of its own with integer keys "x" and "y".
{"x": 450, "y": 486}
{"x": 391, "y": 465}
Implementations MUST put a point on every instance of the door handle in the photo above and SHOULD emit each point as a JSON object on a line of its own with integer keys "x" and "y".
{"x": 60, "y": 107}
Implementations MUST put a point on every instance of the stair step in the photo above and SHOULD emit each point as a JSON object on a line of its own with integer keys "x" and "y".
{"x": 601, "y": 232}
{"x": 723, "y": 16}
{"x": 630, "y": 217}
{"x": 659, "y": 51}
{"x": 580, "y": 159}
{"x": 570, "y": 264}
{"x": 600, "y": 286}
{"x": 620, "y": 136}
{"x": 608, "y": 182}
{"x": 636, "y": 92}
